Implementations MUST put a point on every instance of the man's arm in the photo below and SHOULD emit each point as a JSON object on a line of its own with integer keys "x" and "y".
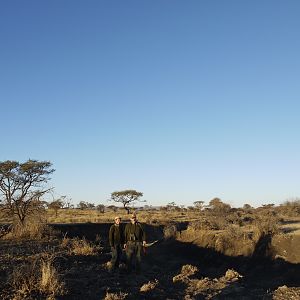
{"x": 111, "y": 235}
{"x": 143, "y": 235}
{"x": 122, "y": 234}
{"x": 125, "y": 235}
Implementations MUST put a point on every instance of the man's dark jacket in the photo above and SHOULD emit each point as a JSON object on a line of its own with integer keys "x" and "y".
{"x": 116, "y": 236}
{"x": 134, "y": 232}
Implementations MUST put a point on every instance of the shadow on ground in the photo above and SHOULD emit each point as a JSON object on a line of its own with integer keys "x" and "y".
{"x": 87, "y": 276}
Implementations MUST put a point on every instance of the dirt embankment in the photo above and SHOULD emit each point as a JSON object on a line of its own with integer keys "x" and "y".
{"x": 287, "y": 247}
{"x": 283, "y": 246}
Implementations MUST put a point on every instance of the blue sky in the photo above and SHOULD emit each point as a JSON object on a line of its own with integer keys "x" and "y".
{"x": 182, "y": 100}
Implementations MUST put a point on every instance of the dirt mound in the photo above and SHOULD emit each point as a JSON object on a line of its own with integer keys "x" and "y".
{"x": 287, "y": 293}
{"x": 186, "y": 272}
{"x": 204, "y": 286}
{"x": 231, "y": 276}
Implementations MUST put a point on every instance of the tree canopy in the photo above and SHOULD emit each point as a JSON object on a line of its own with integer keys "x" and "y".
{"x": 126, "y": 197}
{"x": 22, "y": 185}
{"x": 56, "y": 205}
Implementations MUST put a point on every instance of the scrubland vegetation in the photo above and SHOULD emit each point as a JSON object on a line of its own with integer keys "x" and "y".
{"x": 207, "y": 252}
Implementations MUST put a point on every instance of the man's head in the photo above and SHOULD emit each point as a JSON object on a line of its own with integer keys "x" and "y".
{"x": 117, "y": 220}
{"x": 133, "y": 218}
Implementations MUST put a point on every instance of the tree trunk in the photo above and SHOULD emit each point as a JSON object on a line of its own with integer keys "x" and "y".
{"x": 127, "y": 208}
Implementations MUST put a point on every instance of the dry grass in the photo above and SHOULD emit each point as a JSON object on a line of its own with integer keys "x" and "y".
{"x": 186, "y": 272}
{"x": 34, "y": 228}
{"x": 36, "y": 277}
{"x": 231, "y": 276}
{"x": 49, "y": 281}
{"x": 266, "y": 224}
{"x": 115, "y": 296}
{"x": 65, "y": 242}
{"x": 234, "y": 241}
{"x": 286, "y": 293}
{"x": 24, "y": 279}
{"x": 149, "y": 217}
{"x": 149, "y": 286}
{"x": 170, "y": 231}
{"x": 204, "y": 286}
{"x": 78, "y": 246}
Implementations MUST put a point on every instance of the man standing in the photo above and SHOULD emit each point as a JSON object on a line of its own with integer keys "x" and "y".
{"x": 135, "y": 239}
{"x": 116, "y": 239}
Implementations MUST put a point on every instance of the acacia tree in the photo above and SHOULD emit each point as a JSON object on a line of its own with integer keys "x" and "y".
{"x": 199, "y": 204}
{"x": 22, "y": 185}
{"x": 218, "y": 206}
{"x": 85, "y": 205}
{"x": 56, "y": 205}
{"x": 100, "y": 208}
{"x": 126, "y": 197}
{"x": 247, "y": 207}
{"x": 171, "y": 206}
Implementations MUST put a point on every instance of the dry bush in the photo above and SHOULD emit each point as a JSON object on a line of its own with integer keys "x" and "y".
{"x": 170, "y": 231}
{"x": 247, "y": 219}
{"x": 265, "y": 224}
{"x": 218, "y": 222}
{"x": 290, "y": 207}
{"x": 24, "y": 279}
{"x": 231, "y": 276}
{"x": 286, "y": 293}
{"x": 234, "y": 241}
{"x": 65, "y": 242}
{"x": 149, "y": 286}
{"x": 194, "y": 286}
{"x": 205, "y": 287}
{"x": 186, "y": 272}
{"x": 35, "y": 227}
{"x": 149, "y": 219}
{"x": 235, "y": 218}
{"x": 210, "y": 222}
{"x": 36, "y": 277}
{"x": 49, "y": 282}
{"x": 79, "y": 246}
{"x": 115, "y": 296}
{"x": 202, "y": 224}
{"x": 211, "y": 287}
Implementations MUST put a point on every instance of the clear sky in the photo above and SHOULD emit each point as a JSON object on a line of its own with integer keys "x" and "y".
{"x": 181, "y": 100}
